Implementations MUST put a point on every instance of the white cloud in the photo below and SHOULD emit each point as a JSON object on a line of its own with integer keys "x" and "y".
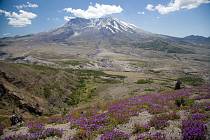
{"x": 6, "y": 34}
{"x": 4, "y": 12}
{"x": 67, "y": 18}
{"x": 28, "y": 5}
{"x": 150, "y": 7}
{"x": 21, "y": 19}
{"x": 141, "y": 13}
{"x": 176, "y": 5}
{"x": 97, "y": 11}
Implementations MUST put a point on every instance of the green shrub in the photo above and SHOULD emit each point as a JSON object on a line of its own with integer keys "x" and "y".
{"x": 184, "y": 102}
{"x": 149, "y": 89}
{"x": 180, "y": 102}
{"x": 72, "y": 62}
{"x": 192, "y": 80}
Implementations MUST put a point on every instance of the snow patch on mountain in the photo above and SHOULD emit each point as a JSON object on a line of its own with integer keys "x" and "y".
{"x": 76, "y": 34}
{"x": 113, "y": 25}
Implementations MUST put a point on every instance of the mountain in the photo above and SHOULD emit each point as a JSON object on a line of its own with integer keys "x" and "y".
{"x": 107, "y": 28}
{"x": 111, "y": 25}
{"x": 197, "y": 39}
{"x": 111, "y": 32}
{"x": 97, "y": 34}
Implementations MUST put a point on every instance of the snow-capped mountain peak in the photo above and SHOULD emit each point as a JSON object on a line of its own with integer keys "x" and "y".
{"x": 113, "y": 25}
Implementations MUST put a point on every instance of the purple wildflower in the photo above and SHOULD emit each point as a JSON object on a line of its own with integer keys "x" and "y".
{"x": 115, "y": 135}
{"x": 35, "y": 127}
{"x": 199, "y": 116}
{"x": 49, "y": 132}
{"x": 193, "y": 130}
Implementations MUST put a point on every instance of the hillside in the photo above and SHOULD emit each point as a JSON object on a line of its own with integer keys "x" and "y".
{"x": 157, "y": 116}
{"x": 104, "y": 79}
{"x": 197, "y": 39}
{"x": 41, "y": 90}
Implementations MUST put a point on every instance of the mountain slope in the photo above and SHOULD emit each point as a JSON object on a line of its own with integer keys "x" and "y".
{"x": 87, "y": 36}
{"x": 197, "y": 39}
{"x": 94, "y": 29}
{"x": 110, "y": 31}
{"x": 107, "y": 29}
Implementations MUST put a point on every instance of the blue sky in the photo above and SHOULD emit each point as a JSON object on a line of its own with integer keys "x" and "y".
{"x": 170, "y": 17}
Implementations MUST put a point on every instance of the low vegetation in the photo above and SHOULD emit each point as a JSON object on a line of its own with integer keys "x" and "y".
{"x": 193, "y": 80}
{"x": 184, "y": 102}
{"x": 48, "y": 90}
{"x": 63, "y": 90}
{"x": 149, "y": 89}
{"x": 104, "y": 122}
{"x": 160, "y": 45}
{"x": 144, "y": 81}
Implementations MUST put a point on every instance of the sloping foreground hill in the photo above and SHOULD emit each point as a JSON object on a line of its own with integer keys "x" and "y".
{"x": 182, "y": 114}
{"x": 40, "y": 90}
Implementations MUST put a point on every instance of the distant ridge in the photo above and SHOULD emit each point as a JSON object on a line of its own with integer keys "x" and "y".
{"x": 197, "y": 39}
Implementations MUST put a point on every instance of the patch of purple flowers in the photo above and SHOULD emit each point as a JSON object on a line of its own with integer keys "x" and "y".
{"x": 207, "y": 108}
{"x": 199, "y": 116}
{"x": 193, "y": 130}
{"x": 115, "y": 135}
{"x": 156, "y": 102}
{"x": 92, "y": 123}
{"x": 35, "y": 127}
{"x": 49, "y": 132}
{"x": 159, "y": 122}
